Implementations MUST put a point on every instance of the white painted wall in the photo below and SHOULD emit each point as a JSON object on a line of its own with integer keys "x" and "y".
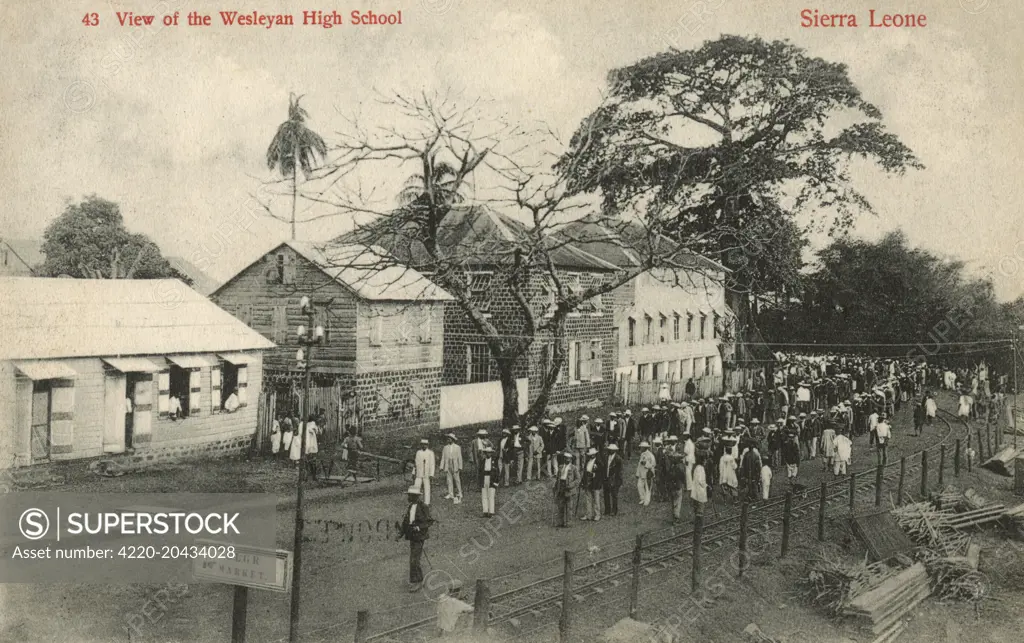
{"x": 475, "y": 403}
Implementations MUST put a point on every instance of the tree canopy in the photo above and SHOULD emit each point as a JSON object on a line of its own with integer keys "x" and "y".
{"x": 89, "y": 241}
{"x": 727, "y": 143}
{"x": 890, "y": 294}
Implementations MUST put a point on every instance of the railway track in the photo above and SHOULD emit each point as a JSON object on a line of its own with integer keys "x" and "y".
{"x": 528, "y": 606}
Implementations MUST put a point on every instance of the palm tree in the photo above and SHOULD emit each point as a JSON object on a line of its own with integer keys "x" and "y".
{"x": 294, "y": 146}
{"x": 439, "y": 186}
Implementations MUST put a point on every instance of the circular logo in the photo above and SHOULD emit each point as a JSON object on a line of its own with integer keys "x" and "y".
{"x": 34, "y": 523}
{"x": 436, "y": 584}
{"x": 79, "y": 96}
{"x": 974, "y": 6}
{"x": 438, "y": 7}
{"x": 171, "y": 293}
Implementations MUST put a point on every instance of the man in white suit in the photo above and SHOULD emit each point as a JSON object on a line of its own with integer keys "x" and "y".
{"x": 451, "y": 464}
{"x": 425, "y": 464}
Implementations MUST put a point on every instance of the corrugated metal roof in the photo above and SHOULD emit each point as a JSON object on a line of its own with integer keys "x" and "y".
{"x": 202, "y": 283}
{"x": 359, "y": 268}
{"x": 53, "y": 318}
{"x": 132, "y": 365}
{"x": 45, "y": 369}
{"x": 476, "y": 235}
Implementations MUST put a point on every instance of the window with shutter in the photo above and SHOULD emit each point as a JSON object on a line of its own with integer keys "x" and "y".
{"x": 425, "y": 325}
{"x": 631, "y": 337}
{"x": 62, "y": 416}
{"x": 596, "y": 361}
{"x": 376, "y": 329}
{"x": 662, "y": 325}
{"x": 480, "y": 290}
{"x": 675, "y": 328}
{"x": 384, "y": 400}
{"x": 288, "y": 270}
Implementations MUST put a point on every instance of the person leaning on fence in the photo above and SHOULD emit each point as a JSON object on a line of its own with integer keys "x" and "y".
{"x": 451, "y": 464}
{"x": 566, "y": 484}
{"x": 416, "y": 529}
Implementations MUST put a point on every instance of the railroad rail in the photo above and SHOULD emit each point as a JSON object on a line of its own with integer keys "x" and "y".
{"x": 534, "y": 600}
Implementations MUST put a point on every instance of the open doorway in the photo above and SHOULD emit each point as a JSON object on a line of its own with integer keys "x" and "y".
{"x": 130, "y": 380}
{"x": 41, "y": 431}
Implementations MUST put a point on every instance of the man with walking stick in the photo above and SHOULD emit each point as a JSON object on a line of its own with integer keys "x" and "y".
{"x": 415, "y": 529}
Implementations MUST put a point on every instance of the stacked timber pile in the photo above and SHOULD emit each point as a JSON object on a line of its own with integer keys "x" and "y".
{"x": 1001, "y": 462}
{"x": 832, "y": 584}
{"x": 928, "y": 527}
{"x": 955, "y": 577}
{"x": 948, "y": 498}
{"x": 883, "y": 607}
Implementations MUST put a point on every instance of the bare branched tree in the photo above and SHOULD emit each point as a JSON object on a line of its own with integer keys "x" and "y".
{"x": 483, "y": 212}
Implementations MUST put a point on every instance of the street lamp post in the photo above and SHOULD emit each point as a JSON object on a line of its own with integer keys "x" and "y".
{"x": 309, "y": 337}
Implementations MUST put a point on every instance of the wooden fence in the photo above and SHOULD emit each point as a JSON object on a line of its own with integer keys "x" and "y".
{"x": 631, "y": 392}
{"x": 339, "y": 408}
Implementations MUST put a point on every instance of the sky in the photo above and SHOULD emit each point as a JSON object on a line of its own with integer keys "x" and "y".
{"x": 173, "y": 122}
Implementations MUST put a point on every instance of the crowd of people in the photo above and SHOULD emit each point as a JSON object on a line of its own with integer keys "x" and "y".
{"x": 731, "y": 446}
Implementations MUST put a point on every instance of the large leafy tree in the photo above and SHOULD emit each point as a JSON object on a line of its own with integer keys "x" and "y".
{"x": 295, "y": 147}
{"x": 89, "y": 241}
{"x": 904, "y": 300}
{"x": 727, "y": 143}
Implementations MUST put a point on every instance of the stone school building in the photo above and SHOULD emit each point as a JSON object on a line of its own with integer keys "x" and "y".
{"x": 138, "y": 367}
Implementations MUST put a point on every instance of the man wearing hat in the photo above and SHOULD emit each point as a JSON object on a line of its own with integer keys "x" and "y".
{"x": 477, "y": 450}
{"x": 534, "y": 452}
{"x": 645, "y": 423}
{"x": 451, "y": 464}
{"x": 557, "y": 446}
{"x": 415, "y": 529}
{"x": 645, "y": 473}
{"x": 425, "y": 462}
{"x": 581, "y": 440}
{"x": 518, "y": 452}
{"x": 567, "y": 480}
{"x": 629, "y": 431}
{"x": 883, "y": 433}
{"x": 599, "y": 436}
{"x": 487, "y": 478}
{"x": 593, "y": 484}
{"x": 686, "y": 418}
{"x": 612, "y": 479}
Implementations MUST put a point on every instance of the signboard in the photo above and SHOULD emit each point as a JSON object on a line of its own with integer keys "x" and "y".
{"x": 269, "y": 569}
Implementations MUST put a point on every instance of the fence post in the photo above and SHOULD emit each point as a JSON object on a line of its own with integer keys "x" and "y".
{"x": 879, "y": 472}
{"x": 981, "y": 447}
{"x": 924, "y": 474}
{"x": 634, "y": 590}
{"x": 956, "y": 459}
{"x": 821, "y": 510}
{"x": 787, "y": 516}
{"x": 744, "y": 517}
{"x": 564, "y": 622}
{"x": 698, "y": 534}
{"x": 853, "y": 489}
{"x": 481, "y": 605}
{"x": 942, "y": 462}
{"x": 970, "y": 465}
{"x": 362, "y": 624}
{"x": 903, "y": 476}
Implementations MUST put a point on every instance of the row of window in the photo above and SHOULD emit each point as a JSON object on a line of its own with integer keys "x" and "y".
{"x": 410, "y": 325}
{"x": 662, "y": 333}
{"x": 676, "y": 369}
{"x": 481, "y": 291}
{"x": 584, "y": 362}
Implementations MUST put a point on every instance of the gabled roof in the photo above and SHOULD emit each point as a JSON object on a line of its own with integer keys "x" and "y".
{"x": 202, "y": 283}
{"x": 361, "y": 270}
{"x": 621, "y": 242}
{"x": 476, "y": 234}
{"x": 59, "y": 318}
{"x": 28, "y": 251}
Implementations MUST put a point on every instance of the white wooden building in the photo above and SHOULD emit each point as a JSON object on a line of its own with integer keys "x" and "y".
{"x": 93, "y": 367}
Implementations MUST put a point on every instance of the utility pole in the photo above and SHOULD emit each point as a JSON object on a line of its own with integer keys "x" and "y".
{"x": 309, "y": 337}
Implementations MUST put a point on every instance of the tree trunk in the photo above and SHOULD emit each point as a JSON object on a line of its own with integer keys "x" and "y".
{"x": 509, "y": 394}
{"x": 295, "y": 188}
